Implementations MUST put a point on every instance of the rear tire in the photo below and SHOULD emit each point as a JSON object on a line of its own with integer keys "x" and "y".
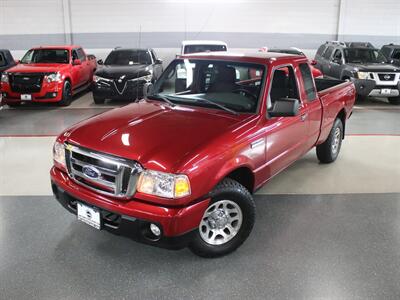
{"x": 329, "y": 150}
{"x": 66, "y": 94}
{"x": 394, "y": 100}
{"x": 226, "y": 223}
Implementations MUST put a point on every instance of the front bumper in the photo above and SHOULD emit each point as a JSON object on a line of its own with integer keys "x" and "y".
{"x": 178, "y": 224}
{"x": 49, "y": 92}
{"x": 368, "y": 87}
{"x": 130, "y": 91}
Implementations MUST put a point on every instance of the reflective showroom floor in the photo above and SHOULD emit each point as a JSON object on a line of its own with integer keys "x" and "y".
{"x": 322, "y": 231}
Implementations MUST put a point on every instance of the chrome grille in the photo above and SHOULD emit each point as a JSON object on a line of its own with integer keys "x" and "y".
{"x": 115, "y": 176}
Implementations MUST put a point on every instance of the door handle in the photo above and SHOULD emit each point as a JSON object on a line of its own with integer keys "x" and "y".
{"x": 303, "y": 117}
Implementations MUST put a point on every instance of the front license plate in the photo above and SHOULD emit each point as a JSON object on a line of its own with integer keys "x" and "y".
{"x": 385, "y": 91}
{"x": 89, "y": 215}
{"x": 26, "y": 97}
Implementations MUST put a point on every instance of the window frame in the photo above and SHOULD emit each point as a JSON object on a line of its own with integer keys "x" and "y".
{"x": 270, "y": 85}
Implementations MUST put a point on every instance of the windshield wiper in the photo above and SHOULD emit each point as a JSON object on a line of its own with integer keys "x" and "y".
{"x": 163, "y": 98}
{"x": 218, "y": 105}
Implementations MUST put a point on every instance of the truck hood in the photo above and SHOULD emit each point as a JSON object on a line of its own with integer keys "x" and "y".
{"x": 37, "y": 68}
{"x": 158, "y": 136}
{"x": 115, "y": 72}
{"x": 378, "y": 67}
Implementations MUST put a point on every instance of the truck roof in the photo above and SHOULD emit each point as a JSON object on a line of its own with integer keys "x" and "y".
{"x": 69, "y": 47}
{"x": 257, "y": 57}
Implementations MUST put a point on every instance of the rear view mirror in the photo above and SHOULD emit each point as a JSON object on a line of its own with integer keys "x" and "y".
{"x": 285, "y": 107}
{"x": 76, "y": 62}
{"x": 148, "y": 89}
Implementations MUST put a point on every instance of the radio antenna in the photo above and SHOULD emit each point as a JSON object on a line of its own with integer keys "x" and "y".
{"x": 138, "y": 53}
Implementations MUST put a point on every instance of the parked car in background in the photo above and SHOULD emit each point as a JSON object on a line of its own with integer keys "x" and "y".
{"x": 179, "y": 167}
{"x": 124, "y": 73}
{"x": 48, "y": 74}
{"x": 295, "y": 51}
{"x": 364, "y": 65}
{"x": 6, "y": 61}
{"x": 197, "y": 46}
{"x": 391, "y": 53}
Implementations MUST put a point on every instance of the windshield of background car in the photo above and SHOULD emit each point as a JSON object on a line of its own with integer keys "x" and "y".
{"x": 203, "y": 48}
{"x": 128, "y": 57}
{"x": 236, "y": 86}
{"x": 361, "y": 55}
{"x": 46, "y": 56}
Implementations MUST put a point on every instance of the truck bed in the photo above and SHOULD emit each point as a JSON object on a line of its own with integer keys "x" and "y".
{"x": 325, "y": 83}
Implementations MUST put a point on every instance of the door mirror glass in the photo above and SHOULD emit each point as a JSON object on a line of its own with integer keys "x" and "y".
{"x": 285, "y": 107}
{"x": 76, "y": 62}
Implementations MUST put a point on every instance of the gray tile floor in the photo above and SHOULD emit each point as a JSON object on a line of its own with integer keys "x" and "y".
{"x": 302, "y": 247}
{"x": 340, "y": 246}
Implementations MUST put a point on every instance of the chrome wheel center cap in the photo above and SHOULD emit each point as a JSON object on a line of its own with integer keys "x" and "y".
{"x": 218, "y": 219}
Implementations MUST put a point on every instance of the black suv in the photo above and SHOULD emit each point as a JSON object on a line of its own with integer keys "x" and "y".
{"x": 391, "y": 53}
{"x": 361, "y": 63}
{"x": 124, "y": 73}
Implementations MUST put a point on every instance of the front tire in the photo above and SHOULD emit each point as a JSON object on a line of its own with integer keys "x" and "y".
{"x": 329, "y": 150}
{"x": 14, "y": 105}
{"x": 227, "y": 221}
{"x": 66, "y": 94}
{"x": 98, "y": 100}
{"x": 394, "y": 100}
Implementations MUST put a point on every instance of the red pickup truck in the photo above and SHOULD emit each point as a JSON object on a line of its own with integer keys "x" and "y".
{"x": 48, "y": 74}
{"x": 179, "y": 167}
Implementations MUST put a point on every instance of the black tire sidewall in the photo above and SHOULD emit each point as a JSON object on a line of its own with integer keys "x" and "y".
{"x": 246, "y": 204}
{"x": 66, "y": 99}
{"x": 338, "y": 123}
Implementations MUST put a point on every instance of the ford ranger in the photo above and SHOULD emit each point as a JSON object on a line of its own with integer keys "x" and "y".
{"x": 179, "y": 167}
{"x": 48, "y": 74}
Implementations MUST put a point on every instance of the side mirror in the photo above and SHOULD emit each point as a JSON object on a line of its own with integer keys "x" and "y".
{"x": 16, "y": 61}
{"x": 76, "y": 62}
{"x": 158, "y": 62}
{"x": 100, "y": 62}
{"x": 285, "y": 107}
{"x": 313, "y": 62}
{"x": 148, "y": 89}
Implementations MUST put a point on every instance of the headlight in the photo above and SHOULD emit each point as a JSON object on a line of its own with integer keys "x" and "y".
{"x": 59, "y": 154}
{"x": 163, "y": 184}
{"x": 4, "y": 77}
{"x": 53, "y": 77}
{"x": 98, "y": 78}
{"x": 143, "y": 78}
{"x": 362, "y": 75}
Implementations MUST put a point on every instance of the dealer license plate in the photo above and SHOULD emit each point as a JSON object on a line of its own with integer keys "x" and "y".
{"x": 385, "y": 91}
{"x": 89, "y": 215}
{"x": 26, "y": 97}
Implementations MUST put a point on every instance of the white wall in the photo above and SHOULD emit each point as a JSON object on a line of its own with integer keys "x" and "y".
{"x": 102, "y": 24}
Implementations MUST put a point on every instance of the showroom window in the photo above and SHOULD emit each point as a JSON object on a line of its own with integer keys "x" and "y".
{"x": 308, "y": 82}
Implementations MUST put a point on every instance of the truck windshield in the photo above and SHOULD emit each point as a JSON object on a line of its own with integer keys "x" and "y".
{"x": 225, "y": 85}
{"x": 44, "y": 56}
{"x": 203, "y": 48}
{"x": 128, "y": 57}
{"x": 363, "y": 55}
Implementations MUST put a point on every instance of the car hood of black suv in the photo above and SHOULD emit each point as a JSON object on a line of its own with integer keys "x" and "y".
{"x": 130, "y": 71}
{"x": 375, "y": 67}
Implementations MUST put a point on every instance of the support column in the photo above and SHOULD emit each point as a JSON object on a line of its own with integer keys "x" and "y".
{"x": 67, "y": 22}
{"x": 340, "y": 31}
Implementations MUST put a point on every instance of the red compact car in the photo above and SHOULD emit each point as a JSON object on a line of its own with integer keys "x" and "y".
{"x": 48, "y": 74}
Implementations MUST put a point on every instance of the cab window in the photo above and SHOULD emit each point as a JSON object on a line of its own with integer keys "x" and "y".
{"x": 283, "y": 85}
{"x": 2, "y": 60}
{"x": 308, "y": 82}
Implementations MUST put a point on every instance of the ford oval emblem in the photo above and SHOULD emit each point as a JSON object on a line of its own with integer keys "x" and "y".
{"x": 91, "y": 172}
